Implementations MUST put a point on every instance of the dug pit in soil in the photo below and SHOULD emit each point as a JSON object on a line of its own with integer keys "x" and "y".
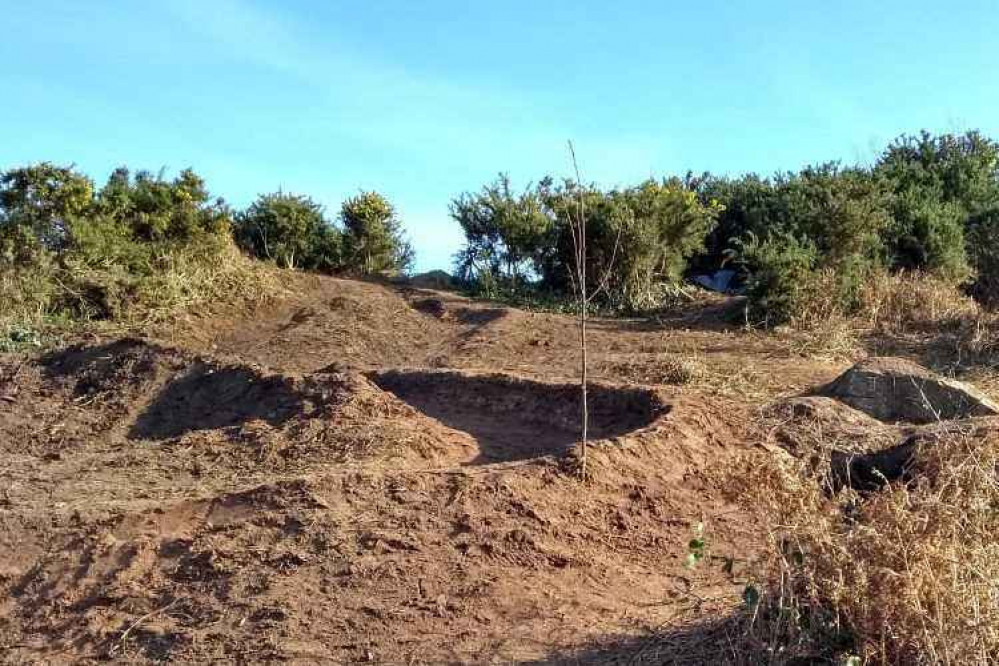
{"x": 512, "y": 418}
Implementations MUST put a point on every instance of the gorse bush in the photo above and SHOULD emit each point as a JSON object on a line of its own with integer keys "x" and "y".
{"x": 373, "y": 241}
{"x": 153, "y": 209}
{"x": 132, "y": 250}
{"x": 983, "y": 250}
{"x": 505, "y": 233}
{"x": 292, "y": 231}
{"x": 938, "y": 184}
{"x": 806, "y": 242}
{"x": 638, "y": 239}
{"x": 923, "y": 207}
{"x": 143, "y": 245}
{"x": 781, "y": 268}
{"x": 38, "y": 207}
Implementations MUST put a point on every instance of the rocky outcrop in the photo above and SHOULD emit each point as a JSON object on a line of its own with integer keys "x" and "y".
{"x": 894, "y": 389}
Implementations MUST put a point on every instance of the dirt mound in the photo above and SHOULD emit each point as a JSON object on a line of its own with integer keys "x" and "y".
{"x": 436, "y": 279}
{"x": 852, "y": 448}
{"x": 894, "y": 389}
{"x": 192, "y": 508}
{"x": 267, "y": 485}
{"x": 124, "y": 367}
{"x": 813, "y": 425}
{"x": 391, "y": 566}
{"x": 175, "y": 421}
{"x": 207, "y": 397}
{"x": 512, "y": 418}
{"x": 324, "y": 320}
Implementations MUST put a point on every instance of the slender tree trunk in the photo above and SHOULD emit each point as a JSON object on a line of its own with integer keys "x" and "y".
{"x": 580, "y": 240}
{"x": 582, "y": 345}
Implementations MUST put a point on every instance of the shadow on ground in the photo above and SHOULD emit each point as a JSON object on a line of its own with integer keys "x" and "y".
{"x": 208, "y": 398}
{"x": 515, "y": 419}
{"x": 712, "y": 642}
{"x": 106, "y": 367}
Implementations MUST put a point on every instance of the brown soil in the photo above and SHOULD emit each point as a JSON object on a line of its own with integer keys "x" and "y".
{"x": 361, "y": 473}
{"x": 512, "y": 418}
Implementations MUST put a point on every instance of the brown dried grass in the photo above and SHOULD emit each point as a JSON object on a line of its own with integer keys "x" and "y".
{"x": 918, "y": 312}
{"x": 909, "y": 574}
{"x": 185, "y": 279}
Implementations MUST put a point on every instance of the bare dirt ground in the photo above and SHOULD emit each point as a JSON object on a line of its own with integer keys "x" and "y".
{"x": 366, "y": 473}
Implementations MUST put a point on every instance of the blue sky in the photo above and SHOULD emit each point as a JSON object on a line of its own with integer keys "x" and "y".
{"x": 424, "y": 100}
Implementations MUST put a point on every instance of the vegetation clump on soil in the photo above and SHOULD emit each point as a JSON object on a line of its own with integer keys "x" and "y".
{"x": 807, "y": 244}
{"x": 142, "y": 246}
{"x": 139, "y": 247}
{"x": 881, "y": 534}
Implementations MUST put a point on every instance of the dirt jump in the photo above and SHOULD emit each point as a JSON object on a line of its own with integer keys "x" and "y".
{"x": 366, "y": 473}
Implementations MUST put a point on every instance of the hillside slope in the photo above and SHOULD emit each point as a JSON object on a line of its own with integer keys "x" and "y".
{"x": 362, "y": 472}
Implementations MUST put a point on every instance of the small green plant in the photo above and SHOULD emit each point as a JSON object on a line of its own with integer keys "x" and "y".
{"x": 696, "y": 547}
{"x": 19, "y": 338}
{"x": 751, "y": 597}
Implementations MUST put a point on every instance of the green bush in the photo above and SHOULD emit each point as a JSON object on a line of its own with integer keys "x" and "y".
{"x": 373, "y": 242}
{"x": 830, "y": 222}
{"x": 290, "y": 230}
{"x": 983, "y": 249}
{"x": 938, "y": 183}
{"x": 504, "y": 233}
{"x": 638, "y": 239}
{"x": 38, "y": 205}
{"x": 156, "y": 210}
{"x": 136, "y": 248}
{"x": 927, "y": 234}
{"x": 780, "y": 269}
{"x": 745, "y": 206}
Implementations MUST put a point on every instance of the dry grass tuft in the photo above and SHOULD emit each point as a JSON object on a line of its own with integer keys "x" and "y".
{"x": 909, "y": 574}
{"x": 925, "y": 314}
{"x": 911, "y": 312}
{"x": 835, "y": 338}
{"x": 676, "y": 369}
{"x": 908, "y": 302}
{"x": 191, "y": 280}
{"x": 679, "y": 369}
